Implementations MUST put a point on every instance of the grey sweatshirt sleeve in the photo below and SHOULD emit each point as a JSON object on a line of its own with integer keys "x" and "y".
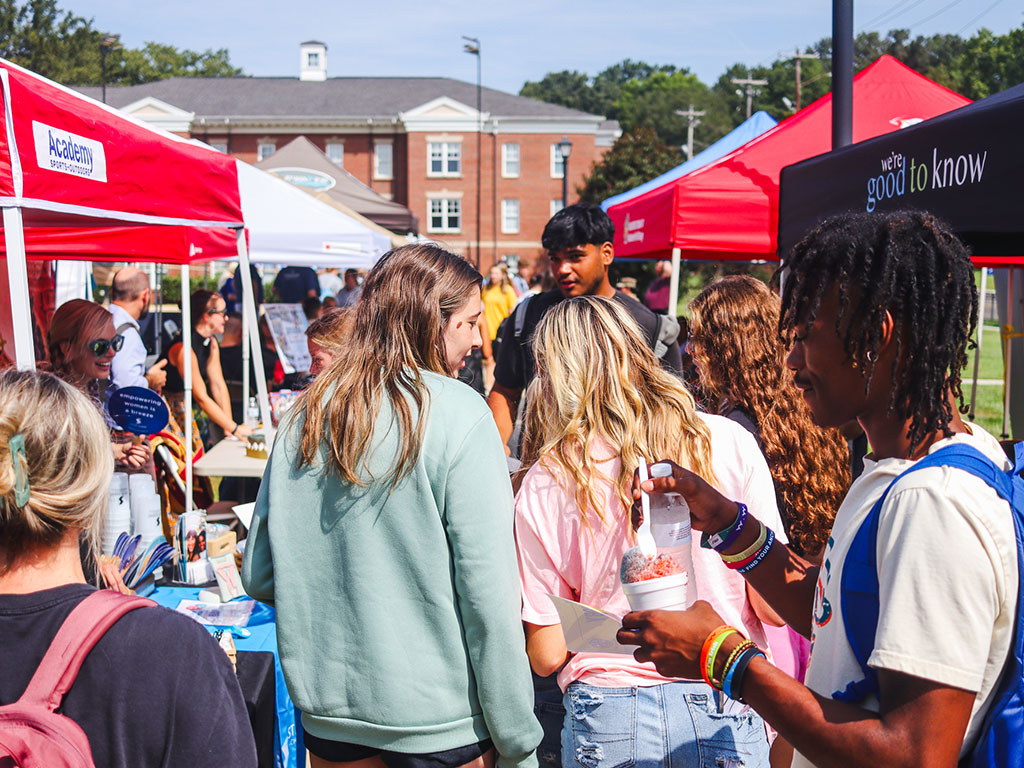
{"x": 479, "y": 521}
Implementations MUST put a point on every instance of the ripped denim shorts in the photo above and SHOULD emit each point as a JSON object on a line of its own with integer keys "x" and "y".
{"x": 678, "y": 725}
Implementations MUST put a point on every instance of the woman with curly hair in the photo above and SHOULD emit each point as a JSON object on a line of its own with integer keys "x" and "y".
{"x": 741, "y": 361}
{"x": 740, "y": 358}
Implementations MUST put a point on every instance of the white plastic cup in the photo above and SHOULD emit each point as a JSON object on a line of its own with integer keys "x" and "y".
{"x": 665, "y": 593}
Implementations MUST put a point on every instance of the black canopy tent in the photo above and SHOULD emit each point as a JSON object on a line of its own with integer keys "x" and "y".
{"x": 964, "y": 166}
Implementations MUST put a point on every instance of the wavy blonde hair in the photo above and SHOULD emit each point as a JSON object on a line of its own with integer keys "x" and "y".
{"x": 598, "y": 380}
{"x": 741, "y": 360}
{"x": 397, "y": 333}
{"x": 67, "y": 458}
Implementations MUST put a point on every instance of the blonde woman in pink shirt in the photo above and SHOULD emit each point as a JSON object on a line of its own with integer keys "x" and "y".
{"x": 600, "y": 400}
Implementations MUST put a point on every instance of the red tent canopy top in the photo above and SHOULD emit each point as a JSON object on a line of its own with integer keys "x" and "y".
{"x": 69, "y": 161}
{"x": 728, "y": 210}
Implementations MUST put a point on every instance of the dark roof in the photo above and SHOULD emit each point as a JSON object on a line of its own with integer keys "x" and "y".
{"x": 336, "y": 97}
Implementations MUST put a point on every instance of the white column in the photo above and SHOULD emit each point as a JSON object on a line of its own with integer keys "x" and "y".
{"x": 673, "y": 290}
{"x": 17, "y": 277}
{"x": 251, "y": 342}
{"x": 981, "y": 335}
{"x": 186, "y": 352}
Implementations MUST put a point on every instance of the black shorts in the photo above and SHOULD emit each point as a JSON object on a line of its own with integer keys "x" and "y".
{"x": 342, "y": 752}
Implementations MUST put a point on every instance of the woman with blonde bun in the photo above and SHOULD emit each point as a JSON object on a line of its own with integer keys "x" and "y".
{"x": 128, "y": 696}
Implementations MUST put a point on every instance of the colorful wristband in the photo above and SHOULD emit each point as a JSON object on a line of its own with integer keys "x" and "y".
{"x": 733, "y": 684}
{"x": 710, "y": 649}
{"x": 760, "y": 556}
{"x": 750, "y": 551}
{"x": 725, "y": 539}
{"x": 736, "y": 653}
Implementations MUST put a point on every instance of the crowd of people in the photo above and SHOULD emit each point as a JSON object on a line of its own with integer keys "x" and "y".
{"x": 409, "y": 532}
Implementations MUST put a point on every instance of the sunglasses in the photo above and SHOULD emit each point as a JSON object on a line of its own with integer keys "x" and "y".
{"x": 216, "y": 311}
{"x": 100, "y": 347}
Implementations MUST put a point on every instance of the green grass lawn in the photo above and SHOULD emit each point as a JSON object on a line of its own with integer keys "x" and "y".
{"x": 988, "y": 408}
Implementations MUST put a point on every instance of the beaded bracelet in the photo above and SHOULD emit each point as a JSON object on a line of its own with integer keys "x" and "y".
{"x": 733, "y": 682}
{"x": 725, "y": 539}
{"x": 736, "y": 653}
{"x": 710, "y": 650}
{"x": 750, "y": 551}
{"x": 757, "y": 559}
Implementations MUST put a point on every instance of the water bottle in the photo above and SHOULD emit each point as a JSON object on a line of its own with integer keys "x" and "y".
{"x": 670, "y": 526}
{"x": 252, "y": 413}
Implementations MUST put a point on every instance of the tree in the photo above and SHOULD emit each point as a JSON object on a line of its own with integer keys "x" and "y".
{"x": 569, "y": 89}
{"x": 991, "y": 63}
{"x": 637, "y": 156}
{"x": 57, "y": 44}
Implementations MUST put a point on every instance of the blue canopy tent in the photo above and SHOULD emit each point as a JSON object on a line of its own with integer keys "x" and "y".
{"x": 749, "y": 129}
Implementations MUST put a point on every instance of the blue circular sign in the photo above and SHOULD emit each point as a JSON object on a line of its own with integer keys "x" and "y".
{"x": 138, "y": 410}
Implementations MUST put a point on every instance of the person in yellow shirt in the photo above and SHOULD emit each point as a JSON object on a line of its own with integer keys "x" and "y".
{"x": 499, "y": 298}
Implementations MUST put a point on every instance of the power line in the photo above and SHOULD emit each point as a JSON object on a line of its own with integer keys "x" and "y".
{"x": 892, "y": 13}
{"x": 980, "y": 15}
{"x": 939, "y": 12}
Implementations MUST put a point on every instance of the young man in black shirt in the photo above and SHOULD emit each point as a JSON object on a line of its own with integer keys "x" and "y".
{"x": 578, "y": 240}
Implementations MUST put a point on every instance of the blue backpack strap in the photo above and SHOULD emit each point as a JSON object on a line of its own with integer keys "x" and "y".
{"x": 859, "y": 583}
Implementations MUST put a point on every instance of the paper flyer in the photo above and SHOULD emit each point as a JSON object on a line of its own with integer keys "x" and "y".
{"x": 588, "y": 630}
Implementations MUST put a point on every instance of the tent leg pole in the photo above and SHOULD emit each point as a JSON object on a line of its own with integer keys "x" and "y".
{"x": 1007, "y": 356}
{"x": 673, "y": 290}
{"x": 253, "y": 339}
{"x": 245, "y": 350}
{"x": 981, "y": 333}
{"x": 17, "y": 277}
{"x": 186, "y": 347}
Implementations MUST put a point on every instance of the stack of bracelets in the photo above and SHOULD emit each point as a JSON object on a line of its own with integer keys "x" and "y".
{"x": 731, "y": 682}
{"x": 752, "y": 556}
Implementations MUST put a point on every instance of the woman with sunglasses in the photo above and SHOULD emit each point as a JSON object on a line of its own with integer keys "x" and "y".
{"x": 81, "y": 343}
{"x": 210, "y": 398}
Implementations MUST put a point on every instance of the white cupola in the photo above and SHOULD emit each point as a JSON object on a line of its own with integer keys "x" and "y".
{"x": 313, "y": 61}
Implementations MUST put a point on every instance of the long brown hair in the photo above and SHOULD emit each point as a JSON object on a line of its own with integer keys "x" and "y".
{"x": 74, "y": 324}
{"x": 741, "y": 360}
{"x": 397, "y": 332}
{"x": 597, "y": 379}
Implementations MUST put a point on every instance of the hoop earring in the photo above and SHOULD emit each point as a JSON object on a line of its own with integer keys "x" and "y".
{"x": 871, "y": 356}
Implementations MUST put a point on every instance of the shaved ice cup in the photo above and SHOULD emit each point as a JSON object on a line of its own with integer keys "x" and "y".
{"x": 667, "y": 593}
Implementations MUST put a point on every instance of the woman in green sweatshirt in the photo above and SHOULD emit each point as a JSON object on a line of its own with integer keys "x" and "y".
{"x": 383, "y": 537}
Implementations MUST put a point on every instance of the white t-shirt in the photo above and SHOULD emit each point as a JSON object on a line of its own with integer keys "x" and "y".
{"x": 560, "y": 555}
{"x": 947, "y": 574}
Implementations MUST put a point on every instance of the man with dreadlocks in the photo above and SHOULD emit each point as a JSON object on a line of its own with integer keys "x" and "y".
{"x": 880, "y": 310}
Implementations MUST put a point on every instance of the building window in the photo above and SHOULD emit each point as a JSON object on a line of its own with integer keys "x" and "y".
{"x": 264, "y": 150}
{"x": 556, "y": 206}
{"x": 557, "y": 163}
{"x": 313, "y": 62}
{"x": 510, "y": 217}
{"x": 444, "y": 158}
{"x": 510, "y": 161}
{"x": 336, "y": 153}
{"x": 383, "y": 154}
{"x": 445, "y": 215}
{"x": 220, "y": 146}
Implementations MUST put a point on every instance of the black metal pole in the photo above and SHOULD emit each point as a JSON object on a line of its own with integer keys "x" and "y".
{"x": 565, "y": 181}
{"x": 479, "y": 155}
{"x": 842, "y": 73}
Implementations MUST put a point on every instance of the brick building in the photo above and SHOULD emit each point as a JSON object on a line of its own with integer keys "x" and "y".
{"x": 410, "y": 139}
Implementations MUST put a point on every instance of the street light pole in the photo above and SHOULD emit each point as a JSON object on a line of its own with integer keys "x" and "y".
{"x": 106, "y": 44}
{"x": 472, "y": 47}
{"x": 565, "y": 149}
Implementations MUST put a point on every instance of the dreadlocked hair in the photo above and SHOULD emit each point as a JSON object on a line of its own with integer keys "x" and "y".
{"x": 741, "y": 362}
{"x": 906, "y": 263}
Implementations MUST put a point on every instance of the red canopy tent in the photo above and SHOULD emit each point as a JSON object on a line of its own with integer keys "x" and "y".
{"x": 728, "y": 210}
{"x": 81, "y": 180}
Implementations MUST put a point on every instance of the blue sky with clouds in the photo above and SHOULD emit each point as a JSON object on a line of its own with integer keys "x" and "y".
{"x": 521, "y": 40}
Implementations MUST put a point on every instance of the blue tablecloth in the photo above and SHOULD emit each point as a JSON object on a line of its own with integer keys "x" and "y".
{"x": 287, "y": 740}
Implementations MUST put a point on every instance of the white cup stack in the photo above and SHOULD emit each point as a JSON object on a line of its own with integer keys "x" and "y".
{"x": 119, "y": 513}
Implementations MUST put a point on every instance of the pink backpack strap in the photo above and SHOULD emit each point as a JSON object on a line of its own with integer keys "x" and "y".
{"x": 81, "y": 630}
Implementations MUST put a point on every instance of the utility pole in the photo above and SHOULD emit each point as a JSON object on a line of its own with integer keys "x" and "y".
{"x": 473, "y": 48}
{"x": 749, "y": 85}
{"x": 691, "y": 123}
{"x": 797, "y": 57}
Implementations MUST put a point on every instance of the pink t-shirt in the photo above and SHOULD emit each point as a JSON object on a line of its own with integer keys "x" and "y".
{"x": 560, "y": 555}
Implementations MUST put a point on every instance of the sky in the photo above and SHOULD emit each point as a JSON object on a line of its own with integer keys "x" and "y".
{"x": 521, "y": 40}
